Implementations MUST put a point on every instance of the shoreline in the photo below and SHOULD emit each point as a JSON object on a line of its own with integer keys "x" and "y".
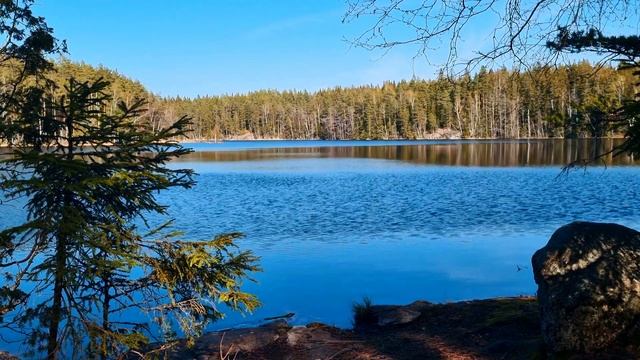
{"x": 220, "y": 141}
{"x": 233, "y": 139}
{"x": 491, "y": 329}
{"x": 495, "y": 328}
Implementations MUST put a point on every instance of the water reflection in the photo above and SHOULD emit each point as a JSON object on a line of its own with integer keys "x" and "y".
{"x": 460, "y": 153}
{"x": 390, "y": 230}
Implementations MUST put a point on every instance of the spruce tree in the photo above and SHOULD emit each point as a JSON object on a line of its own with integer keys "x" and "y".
{"x": 80, "y": 262}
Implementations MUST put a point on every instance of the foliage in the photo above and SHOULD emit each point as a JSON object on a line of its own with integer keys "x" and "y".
{"x": 27, "y": 40}
{"x": 527, "y": 32}
{"x": 626, "y": 51}
{"x": 88, "y": 167}
{"x": 87, "y": 175}
{"x": 542, "y": 102}
{"x": 567, "y": 101}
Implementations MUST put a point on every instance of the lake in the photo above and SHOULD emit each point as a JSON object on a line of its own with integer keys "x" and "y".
{"x": 397, "y": 221}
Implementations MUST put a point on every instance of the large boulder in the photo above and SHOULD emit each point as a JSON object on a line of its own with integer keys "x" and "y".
{"x": 588, "y": 285}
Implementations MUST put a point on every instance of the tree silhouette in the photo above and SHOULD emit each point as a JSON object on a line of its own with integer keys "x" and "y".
{"x": 626, "y": 51}
{"x": 27, "y": 40}
{"x": 516, "y": 29}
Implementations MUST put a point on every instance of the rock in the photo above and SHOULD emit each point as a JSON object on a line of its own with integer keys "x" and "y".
{"x": 245, "y": 340}
{"x": 304, "y": 336}
{"x": 6, "y": 356}
{"x": 444, "y": 133}
{"x": 319, "y": 341}
{"x": 388, "y": 315}
{"x": 295, "y": 335}
{"x": 245, "y": 135}
{"x": 281, "y": 317}
{"x": 588, "y": 285}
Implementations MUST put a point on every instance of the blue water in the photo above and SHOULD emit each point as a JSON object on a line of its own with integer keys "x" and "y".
{"x": 331, "y": 230}
{"x": 439, "y": 221}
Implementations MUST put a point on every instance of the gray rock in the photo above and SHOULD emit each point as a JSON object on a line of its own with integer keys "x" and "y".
{"x": 296, "y": 335}
{"x": 588, "y": 278}
{"x": 244, "y": 340}
{"x": 388, "y": 315}
{"x": 308, "y": 336}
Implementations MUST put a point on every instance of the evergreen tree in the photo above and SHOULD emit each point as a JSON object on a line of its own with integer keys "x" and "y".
{"x": 625, "y": 50}
{"x": 88, "y": 175}
{"x": 27, "y": 40}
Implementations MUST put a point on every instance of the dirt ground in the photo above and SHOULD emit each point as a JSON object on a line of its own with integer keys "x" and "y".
{"x": 487, "y": 329}
{"x": 505, "y": 328}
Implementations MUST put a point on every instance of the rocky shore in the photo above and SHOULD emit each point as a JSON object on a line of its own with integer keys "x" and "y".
{"x": 501, "y": 328}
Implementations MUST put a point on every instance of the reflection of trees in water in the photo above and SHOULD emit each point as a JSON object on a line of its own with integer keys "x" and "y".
{"x": 489, "y": 153}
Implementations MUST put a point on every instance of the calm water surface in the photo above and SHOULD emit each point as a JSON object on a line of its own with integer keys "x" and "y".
{"x": 394, "y": 221}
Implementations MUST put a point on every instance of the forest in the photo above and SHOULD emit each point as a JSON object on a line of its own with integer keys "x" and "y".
{"x": 568, "y": 101}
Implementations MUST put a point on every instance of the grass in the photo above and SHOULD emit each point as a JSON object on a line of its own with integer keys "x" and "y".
{"x": 363, "y": 314}
{"x": 508, "y": 311}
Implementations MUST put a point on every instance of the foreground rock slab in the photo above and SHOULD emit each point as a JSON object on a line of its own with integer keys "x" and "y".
{"x": 319, "y": 341}
{"x": 389, "y": 315}
{"x": 588, "y": 278}
{"x": 228, "y": 343}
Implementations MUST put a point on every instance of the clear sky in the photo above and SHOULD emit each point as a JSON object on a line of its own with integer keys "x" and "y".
{"x": 204, "y": 47}
{"x": 213, "y": 47}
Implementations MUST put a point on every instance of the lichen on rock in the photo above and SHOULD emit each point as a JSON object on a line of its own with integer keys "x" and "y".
{"x": 588, "y": 285}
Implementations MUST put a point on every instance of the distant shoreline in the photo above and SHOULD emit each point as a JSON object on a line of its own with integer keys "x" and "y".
{"x": 234, "y": 139}
{"x": 218, "y": 141}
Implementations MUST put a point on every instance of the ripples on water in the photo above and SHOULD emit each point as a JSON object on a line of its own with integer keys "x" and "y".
{"x": 335, "y": 221}
{"x": 292, "y": 200}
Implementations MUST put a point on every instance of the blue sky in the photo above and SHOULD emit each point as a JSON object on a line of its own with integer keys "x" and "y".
{"x": 203, "y": 47}
{"x": 212, "y": 47}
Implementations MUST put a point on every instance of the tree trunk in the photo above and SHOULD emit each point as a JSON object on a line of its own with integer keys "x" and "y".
{"x": 60, "y": 258}
{"x": 104, "y": 346}
{"x": 56, "y": 309}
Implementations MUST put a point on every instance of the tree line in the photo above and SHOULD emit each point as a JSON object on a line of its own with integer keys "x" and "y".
{"x": 568, "y": 101}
